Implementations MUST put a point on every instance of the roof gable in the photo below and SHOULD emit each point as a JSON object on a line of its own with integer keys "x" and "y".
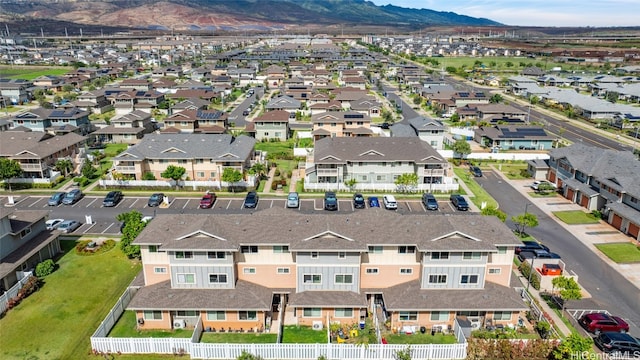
{"x": 173, "y": 149}
{"x": 201, "y": 234}
{"x": 455, "y": 235}
{"x": 328, "y": 235}
{"x": 371, "y": 153}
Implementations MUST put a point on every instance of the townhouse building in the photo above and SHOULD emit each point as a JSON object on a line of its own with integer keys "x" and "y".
{"x": 238, "y": 272}
{"x": 200, "y": 121}
{"x": 271, "y": 125}
{"x": 514, "y": 137}
{"x": 204, "y": 156}
{"x": 600, "y": 179}
{"x": 16, "y": 91}
{"x": 126, "y": 129}
{"x": 375, "y": 163}
{"x": 429, "y": 130}
{"x": 41, "y": 119}
{"x": 341, "y": 124}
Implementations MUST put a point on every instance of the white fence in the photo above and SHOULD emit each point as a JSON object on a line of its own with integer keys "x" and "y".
{"x": 250, "y": 182}
{"x": 113, "y": 315}
{"x": 511, "y": 156}
{"x": 156, "y": 183}
{"x": 13, "y": 292}
{"x": 379, "y": 187}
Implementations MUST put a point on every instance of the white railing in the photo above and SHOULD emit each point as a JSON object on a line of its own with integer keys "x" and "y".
{"x": 157, "y": 183}
{"x": 13, "y": 292}
{"x": 125, "y": 169}
{"x": 457, "y": 330}
{"x": 379, "y": 187}
{"x": 29, "y": 167}
{"x": 327, "y": 172}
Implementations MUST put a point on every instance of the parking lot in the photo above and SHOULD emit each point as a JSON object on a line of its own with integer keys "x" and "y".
{"x": 104, "y": 219}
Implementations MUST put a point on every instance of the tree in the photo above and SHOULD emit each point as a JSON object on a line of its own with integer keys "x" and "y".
{"x": 569, "y": 289}
{"x": 231, "y": 176}
{"x": 133, "y": 225}
{"x": 461, "y": 148}
{"x": 495, "y": 99}
{"x": 173, "y": 172}
{"x": 351, "y": 183}
{"x": 493, "y": 211}
{"x": 148, "y": 176}
{"x": 88, "y": 170}
{"x": 64, "y": 166}
{"x": 9, "y": 169}
{"x": 258, "y": 168}
{"x": 523, "y": 221}
{"x": 571, "y": 345}
{"x": 417, "y": 100}
{"x": 407, "y": 182}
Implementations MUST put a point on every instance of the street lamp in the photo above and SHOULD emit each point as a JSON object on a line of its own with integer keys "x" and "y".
{"x": 524, "y": 218}
{"x": 531, "y": 271}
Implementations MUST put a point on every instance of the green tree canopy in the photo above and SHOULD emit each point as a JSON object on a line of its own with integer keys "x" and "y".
{"x": 461, "y": 148}
{"x": 571, "y": 345}
{"x": 231, "y": 176}
{"x": 523, "y": 221}
{"x": 9, "y": 169}
{"x": 173, "y": 172}
{"x": 133, "y": 225}
{"x": 493, "y": 211}
{"x": 569, "y": 289}
{"x": 64, "y": 166}
{"x": 407, "y": 182}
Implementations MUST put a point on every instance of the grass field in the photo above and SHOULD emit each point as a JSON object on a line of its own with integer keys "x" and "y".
{"x": 420, "y": 339}
{"x": 575, "y": 217}
{"x": 238, "y": 338}
{"x": 303, "y": 335}
{"x": 30, "y": 73}
{"x": 480, "y": 194}
{"x": 621, "y": 252}
{"x": 501, "y": 63}
{"x": 57, "y": 321}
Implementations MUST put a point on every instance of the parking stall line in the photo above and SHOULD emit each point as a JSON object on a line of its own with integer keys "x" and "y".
{"x": 35, "y": 202}
{"x": 408, "y": 206}
{"x": 185, "y": 204}
{"x": 105, "y": 230}
{"x": 229, "y": 204}
{"x": 134, "y": 202}
{"x": 89, "y": 228}
{"x": 271, "y": 203}
{"x": 94, "y": 200}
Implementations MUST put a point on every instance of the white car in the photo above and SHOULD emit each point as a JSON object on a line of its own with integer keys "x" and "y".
{"x": 52, "y": 224}
{"x": 390, "y": 202}
{"x": 537, "y": 183}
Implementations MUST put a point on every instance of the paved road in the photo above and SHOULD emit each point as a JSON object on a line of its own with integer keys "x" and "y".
{"x": 609, "y": 289}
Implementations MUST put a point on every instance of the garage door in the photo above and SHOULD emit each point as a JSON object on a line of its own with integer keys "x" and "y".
{"x": 634, "y": 230}
{"x": 617, "y": 222}
{"x": 570, "y": 194}
{"x": 552, "y": 176}
{"x": 584, "y": 201}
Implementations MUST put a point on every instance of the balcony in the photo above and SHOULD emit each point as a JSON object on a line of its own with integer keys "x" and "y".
{"x": 327, "y": 172}
{"x": 432, "y": 172}
{"x": 126, "y": 169}
{"x": 31, "y": 167}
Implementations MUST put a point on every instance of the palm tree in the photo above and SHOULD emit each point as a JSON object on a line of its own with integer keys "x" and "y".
{"x": 64, "y": 166}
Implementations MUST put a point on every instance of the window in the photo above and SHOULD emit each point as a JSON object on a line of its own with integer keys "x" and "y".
{"x": 283, "y": 270}
{"x": 502, "y": 249}
{"x": 186, "y": 278}
{"x": 312, "y": 279}
{"x": 217, "y": 278}
{"x": 468, "y": 279}
{"x": 184, "y": 255}
{"x": 372, "y": 270}
{"x": 249, "y": 270}
{"x": 440, "y": 255}
{"x": 249, "y": 249}
{"x": 216, "y": 316}
{"x": 311, "y": 312}
{"x": 344, "y": 312}
{"x": 216, "y": 255}
{"x": 200, "y": 174}
{"x": 26, "y": 231}
{"x": 375, "y": 249}
{"x": 212, "y": 174}
{"x": 342, "y": 255}
{"x": 406, "y": 271}
{"x": 153, "y": 248}
{"x": 437, "y": 279}
{"x": 160, "y": 270}
{"x": 314, "y": 255}
{"x": 247, "y": 315}
{"x": 344, "y": 279}
{"x": 408, "y": 315}
{"x": 439, "y": 315}
{"x": 191, "y": 313}
{"x": 467, "y": 255}
{"x": 152, "y": 315}
{"x": 280, "y": 249}
{"x": 502, "y": 315}
{"x": 381, "y": 177}
{"x": 495, "y": 271}
{"x": 406, "y": 249}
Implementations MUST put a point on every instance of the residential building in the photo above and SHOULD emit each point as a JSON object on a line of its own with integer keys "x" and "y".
{"x": 375, "y": 163}
{"x": 16, "y": 91}
{"x": 284, "y": 102}
{"x": 272, "y": 125}
{"x": 514, "y": 137}
{"x": 24, "y": 243}
{"x": 341, "y": 124}
{"x": 426, "y": 129}
{"x": 200, "y": 121}
{"x": 127, "y": 129}
{"x": 237, "y": 273}
{"x": 41, "y": 119}
{"x": 204, "y": 156}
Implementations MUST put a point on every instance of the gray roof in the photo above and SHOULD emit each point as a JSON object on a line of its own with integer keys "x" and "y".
{"x": 223, "y": 147}
{"x": 422, "y": 123}
{"x": 377, "y": 149}
{"x": 539, "y": 163}
{"x": 626, "y": 211}
{"x": 326, "y": 232}
{"x": 283, "y": 102}
{"x": 35, "y": 144}
{"x": 402, "y": 130}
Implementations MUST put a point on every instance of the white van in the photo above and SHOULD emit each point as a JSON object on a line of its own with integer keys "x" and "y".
{"x": 390, "y": 202}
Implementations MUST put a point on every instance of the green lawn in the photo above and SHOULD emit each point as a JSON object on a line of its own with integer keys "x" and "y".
{"x": 480, "y": 195}
{"x": 418, "y": 338}
{"x": 30, "y": 73}
{"x": 303, "y": 335}
{"x": 550, "y": 194}
{"x": 513, "y": 171}
{"x": 574, "y": 217}
{"x": 57, "y": 321}
{"x": 621, "y": 252}
{"x": 112, "y": 150}
{"x": 126, "y": 328}
{"x": 238, "y": 338}
{"x": 276, "y": 147}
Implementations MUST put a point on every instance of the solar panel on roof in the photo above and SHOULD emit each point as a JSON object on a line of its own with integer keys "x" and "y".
{"x": 480, "y": 94}
{"x": 463, "y": 94}
{"x": 353, "y": 116}
{"x": 57, "y": 113}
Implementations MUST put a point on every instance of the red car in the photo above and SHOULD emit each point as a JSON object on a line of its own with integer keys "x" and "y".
{"x": 601, "y": 322}
{"x": 207, "y": 201}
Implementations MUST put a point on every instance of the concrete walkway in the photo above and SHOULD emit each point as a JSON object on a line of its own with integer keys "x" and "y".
{"x": 270, "y": 176}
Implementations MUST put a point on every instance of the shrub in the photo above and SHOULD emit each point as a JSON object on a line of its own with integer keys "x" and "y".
{"x": 45, "y": 268}
{"x": 525, "y": 269}
{"x": 277, "y": 172}
{"x": 283, "y": 182}
{"x": 148, "y": 176}
{"x": 274, "y": 185}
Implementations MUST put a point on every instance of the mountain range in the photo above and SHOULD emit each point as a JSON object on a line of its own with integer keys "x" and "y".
{"x": 226, "y": 15}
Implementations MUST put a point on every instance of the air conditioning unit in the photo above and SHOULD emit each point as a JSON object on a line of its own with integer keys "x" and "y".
{"x": 141, "y": 321}
{"x": 179, "y": 324}
{"x": 317, "y": 325}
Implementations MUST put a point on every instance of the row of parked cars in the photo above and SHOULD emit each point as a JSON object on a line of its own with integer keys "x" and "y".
{"x": 73, "y": 196}
{"x": 65, "y": 226}
{"x": 611, "y": 334}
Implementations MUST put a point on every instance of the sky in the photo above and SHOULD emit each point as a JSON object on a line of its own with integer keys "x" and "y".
{"x": 558, "y": 13}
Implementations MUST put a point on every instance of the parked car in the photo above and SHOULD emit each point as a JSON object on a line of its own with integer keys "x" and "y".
{"x": 293, "y": 200}
{"x": 68, "y": 226}
{"x": 373, "y": 201}
{"x": 251, "y": 200}
{"x": 330, "y": 201}
{"x": 207, "y": 200}
{"x": 623, "y": 345}
{"x": 600, "y": 322}
{"x": 56, "y": 199}
{"x": 530, "y": 246}
{"x": 72, "y": 197}
{"x": 476, "y": 171}
{"x": 112, "y": 198}
{"x": 538, "y": 254}
{"x": 358, "y": 201}
{"x": 155, "y": 199}
{"x": 429, "y": 201}
{"x": 459, "y": 202}
{"x": 52, "y": 224}
{"x": 536, "y": 184}
{"x": 390, "y": 202}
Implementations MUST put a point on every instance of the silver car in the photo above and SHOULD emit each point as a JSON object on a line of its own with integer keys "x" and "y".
{"x": 68, "y": 226}
{"x": 293, "y": 200}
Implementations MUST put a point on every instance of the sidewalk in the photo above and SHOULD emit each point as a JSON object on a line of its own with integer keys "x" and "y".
{"x": 267, "y": 184}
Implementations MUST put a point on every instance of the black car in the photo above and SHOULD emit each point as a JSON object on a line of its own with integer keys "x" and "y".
{"x": 429, "y": 201}
{"x": 476, "y": 171}
{"x": 358, "y": 201}
{"x": 618, "y": 343}
{"x": 251, "y": 201}
{"x": 112, "y": 198}
{"x": 459, "y": 202}
{"x": 330, "y": 201}
{"x": 155, "y": 199}
{"x": 531, "y": 246}
{"x": 537, "y": 254}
